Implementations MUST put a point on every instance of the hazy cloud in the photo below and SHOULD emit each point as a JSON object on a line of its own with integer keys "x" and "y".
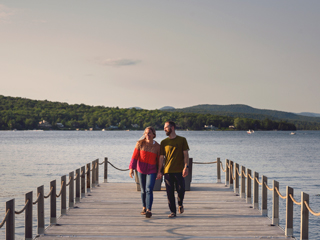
{"x": 117, "y": 62}
{"x": 5, "y": 13}
{"x": 40, "y": 21}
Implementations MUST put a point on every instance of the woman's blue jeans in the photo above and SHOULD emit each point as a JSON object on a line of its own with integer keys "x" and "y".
{"x": 147, "y": 182}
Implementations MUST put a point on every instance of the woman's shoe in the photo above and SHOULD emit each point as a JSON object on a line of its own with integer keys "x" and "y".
{"x": 172, "y": 215}
{"x": 143, "y": 211}
{"x": 148, "y": 214}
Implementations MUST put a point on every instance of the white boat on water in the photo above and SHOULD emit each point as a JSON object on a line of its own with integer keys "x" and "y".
{"x": 292, "y": 133}
{"x": 250, "y": 131}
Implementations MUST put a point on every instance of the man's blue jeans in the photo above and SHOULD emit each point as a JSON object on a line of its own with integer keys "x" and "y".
{"x": 147, "y": 182}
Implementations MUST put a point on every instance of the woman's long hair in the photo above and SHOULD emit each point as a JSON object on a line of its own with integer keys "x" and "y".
{"x": 144, "y": 136}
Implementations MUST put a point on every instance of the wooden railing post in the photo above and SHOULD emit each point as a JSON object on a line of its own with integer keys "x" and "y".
{"x": 157, "y": 185}
{"x": 218, "y": 170}
{"x": 78, "y": 185}
{"x": 63, "y": 195}
{"x": 227, "y": 173}
{"x": 28, "y": 216}
{"x": 264, "y": 196}
{"x": 88, "y": 177}
{"x": 10, "y": 222}
{"x": 97, "y": 172}
{"x": 136, "y": 177}
{"x": 53, "y": 203}
{"x": 93, "y": 177}
{"x": 275, "y": 205}
{"x": 255, "y": 191}
{"x": 243, "y": 182}
{"x": 40, "y": 192}
{"x": 248, "y": 195}
{"x": 289, "y": 213}
{"x": 83, "y": 181}
{"x": 188, "y": 178}
{"x": 105, "y": 169}
{"x": 304, "y": 230}
{"x": 236, "y": 180}
{"x": 231, "y": 171}
{"x": 71, "y": 190}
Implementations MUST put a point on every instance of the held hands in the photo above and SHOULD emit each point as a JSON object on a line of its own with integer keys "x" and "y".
{"x": 159, "y": 175}
{"x": 131, "y": 173}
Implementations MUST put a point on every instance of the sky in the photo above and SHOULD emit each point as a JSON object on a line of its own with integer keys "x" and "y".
{"x": 150, "y": 54}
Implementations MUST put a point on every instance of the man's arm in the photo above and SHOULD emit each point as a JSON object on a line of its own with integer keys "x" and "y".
{"x": 186, "y": 163}
{"x": 161, "y": 159}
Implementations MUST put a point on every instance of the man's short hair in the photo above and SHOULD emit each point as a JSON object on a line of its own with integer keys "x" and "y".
{"x": 172, "y": 124}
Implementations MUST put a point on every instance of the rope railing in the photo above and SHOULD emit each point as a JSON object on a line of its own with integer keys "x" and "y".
{"x": 260, "y": 183}
{"x": 24, "y": 208}
{"x": 205, "y": 162}
{"x": 233, "y": 177}
{"x": 94, "y": 167}
{"x": 60, "y": 189}
{"x": 49, "y": 194}
{"x": 4, "y": 219}
{"x": 270, "y": 189}
{"x": 280, "y": 195}
{"x": 118, "y": 168}
{"x": 293, "y": 200}
{"x": 244, "y": 174}
{"x": 310, "y": 210}
{"x": 234, "y": 173}
{"x": 238, "y": 172}
{"x": 38, "y": 197}
{"x": 249, "y": 175}
{"x": 74, "y": 196}
{"x": 223, "y": 170}
{"x": 70, "y": 178}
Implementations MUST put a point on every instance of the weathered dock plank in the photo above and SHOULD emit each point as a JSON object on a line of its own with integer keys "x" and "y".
{"x": 112, "y": 211}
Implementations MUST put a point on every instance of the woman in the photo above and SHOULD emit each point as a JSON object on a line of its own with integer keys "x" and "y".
{"x": 145, "y": 160}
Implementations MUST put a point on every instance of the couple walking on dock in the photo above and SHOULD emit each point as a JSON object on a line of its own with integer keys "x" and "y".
{"x": 153, "y": 160}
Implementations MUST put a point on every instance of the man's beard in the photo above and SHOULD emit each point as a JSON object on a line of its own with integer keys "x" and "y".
{"x": 168, "y": 132}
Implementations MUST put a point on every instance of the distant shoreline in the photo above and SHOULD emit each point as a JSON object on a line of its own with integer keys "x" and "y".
{"x": 133, "y": 130}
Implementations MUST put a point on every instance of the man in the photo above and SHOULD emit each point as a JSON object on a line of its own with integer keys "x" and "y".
{"x": 174, "y": 151}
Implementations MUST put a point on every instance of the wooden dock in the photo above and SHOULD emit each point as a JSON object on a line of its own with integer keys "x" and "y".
{"x": 212, "y": 211}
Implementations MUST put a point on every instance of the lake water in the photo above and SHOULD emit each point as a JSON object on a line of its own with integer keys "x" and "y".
{"x": 29, "y": 159}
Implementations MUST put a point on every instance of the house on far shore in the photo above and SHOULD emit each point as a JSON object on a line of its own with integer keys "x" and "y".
{"x": 44, "y": 124}
{"x": 231, "y": 127}
{"x": 211, "y": 127}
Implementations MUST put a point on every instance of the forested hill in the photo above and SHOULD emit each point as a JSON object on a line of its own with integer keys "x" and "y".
{"x": 23, "y": 114}
{"x": 244, "y": 111}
